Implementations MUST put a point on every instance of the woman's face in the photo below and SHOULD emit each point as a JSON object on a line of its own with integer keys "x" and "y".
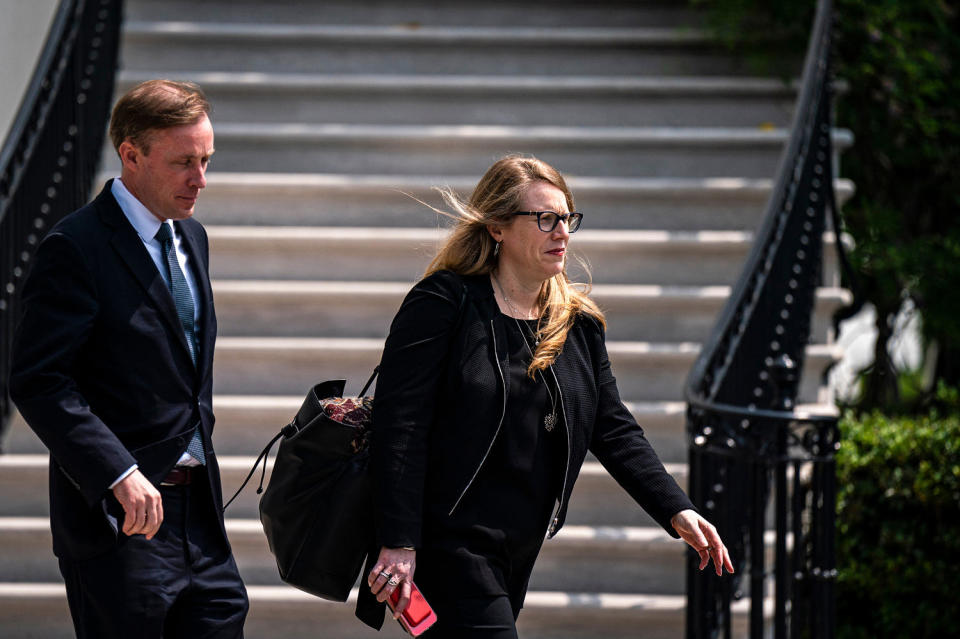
{"x": 526, "y": 250}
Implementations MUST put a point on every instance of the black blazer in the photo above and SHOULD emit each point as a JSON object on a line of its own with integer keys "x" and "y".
{"x": 101, "y": 370}
{"x": 440, "y": 399}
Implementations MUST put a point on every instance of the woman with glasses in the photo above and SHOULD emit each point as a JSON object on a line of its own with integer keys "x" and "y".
{"x": 493, "y": 386}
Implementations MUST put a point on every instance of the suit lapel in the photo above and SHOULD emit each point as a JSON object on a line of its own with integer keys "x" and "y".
{"x": 131, "y": 250}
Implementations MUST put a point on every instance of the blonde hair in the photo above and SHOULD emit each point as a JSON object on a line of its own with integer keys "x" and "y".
{"x": 469, "y": 250}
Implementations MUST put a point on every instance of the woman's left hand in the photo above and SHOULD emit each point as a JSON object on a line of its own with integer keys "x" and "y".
{"x": 702, "y": 537}
{"x": 394, "y": 569}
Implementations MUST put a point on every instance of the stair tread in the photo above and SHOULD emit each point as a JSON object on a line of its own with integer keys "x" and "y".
{"x": 706, "y": 186}
{"x": 647, "y": 408}
{"x": 364, "y": 343}
{"x": 356, "y": 184}
{"x": 548, "y": 599}
{"x": 647, "y": 292}
{"x": 534, "y": 599}
{"x": 601, "y": 36}
{"x": 612, "y": 135}
{"x": 655, "y": 85}
{"x": 224, "y": 401}
{"x": 237, "y": 526}
{"x": 391, "y": 234}
{"x": 235, "y": 462}
{"x": 312, "y": 234}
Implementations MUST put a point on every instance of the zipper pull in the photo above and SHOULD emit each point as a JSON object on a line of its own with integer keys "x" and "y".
{"x": 553, "y": 526}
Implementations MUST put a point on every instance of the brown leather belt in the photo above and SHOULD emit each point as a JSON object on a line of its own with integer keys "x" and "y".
{"x": 181, "y": 476}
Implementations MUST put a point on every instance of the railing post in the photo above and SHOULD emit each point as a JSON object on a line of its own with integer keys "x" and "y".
{"x": 823, "y": 560}
{"x": 784, "y": 374}
{"x": 757, "y": 547}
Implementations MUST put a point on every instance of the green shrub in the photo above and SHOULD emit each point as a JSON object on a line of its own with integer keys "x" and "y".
{"x": 898, "y": 527}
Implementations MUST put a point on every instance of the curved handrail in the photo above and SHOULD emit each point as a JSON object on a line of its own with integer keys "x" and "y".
{"x": 813, "y": 82}
{"x": 19, "y": 142}
{"x": 48, "y": 160}
{"x": 747, "y": 440}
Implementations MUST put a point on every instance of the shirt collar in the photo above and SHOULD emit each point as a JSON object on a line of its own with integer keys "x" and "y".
{"x": 143, "y": 221}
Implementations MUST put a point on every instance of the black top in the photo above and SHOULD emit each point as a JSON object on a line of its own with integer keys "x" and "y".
{"x": 526, "y": 468}
{"x": 518, "y": 485}
{"x": 504, "y": 515}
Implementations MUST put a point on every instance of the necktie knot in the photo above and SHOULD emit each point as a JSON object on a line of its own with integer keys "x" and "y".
{"x": 163, "y": 233}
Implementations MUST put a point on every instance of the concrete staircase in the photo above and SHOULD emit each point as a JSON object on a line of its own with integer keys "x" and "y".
{"x": 327, "y": 116}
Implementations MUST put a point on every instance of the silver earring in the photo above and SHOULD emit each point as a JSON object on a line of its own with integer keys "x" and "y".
{"x": 496, "y": 249}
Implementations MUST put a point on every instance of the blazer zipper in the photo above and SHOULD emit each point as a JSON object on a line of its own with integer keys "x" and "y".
{"x": 503, "y": 385}
{"x": 552, "y": 530}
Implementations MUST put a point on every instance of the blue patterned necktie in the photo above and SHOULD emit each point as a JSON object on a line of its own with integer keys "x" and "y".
{"x": 184, "y": 303}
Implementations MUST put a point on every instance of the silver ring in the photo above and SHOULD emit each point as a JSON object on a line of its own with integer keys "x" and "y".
{"x": 394, "y": 581}
{"x": 385, "y": 574}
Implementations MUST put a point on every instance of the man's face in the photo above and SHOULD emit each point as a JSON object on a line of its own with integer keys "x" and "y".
{"x": 168, "y": 179}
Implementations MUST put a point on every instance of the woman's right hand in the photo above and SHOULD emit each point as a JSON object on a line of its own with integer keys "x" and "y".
{"x": 394, "y": 569}
{"x": 701, "y": 535}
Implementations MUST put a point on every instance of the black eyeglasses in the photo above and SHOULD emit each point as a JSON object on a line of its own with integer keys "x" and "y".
{"x": 548, "y": 220}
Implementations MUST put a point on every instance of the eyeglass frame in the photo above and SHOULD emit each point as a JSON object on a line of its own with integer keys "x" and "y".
{"x": 561, "y": 217}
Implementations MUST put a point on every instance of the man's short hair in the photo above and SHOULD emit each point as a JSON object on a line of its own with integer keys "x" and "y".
{"x": 154, "y": 105}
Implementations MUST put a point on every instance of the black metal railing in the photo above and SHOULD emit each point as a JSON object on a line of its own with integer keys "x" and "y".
{"x": 49, "y": 160}
{"x": 747, "y": 441}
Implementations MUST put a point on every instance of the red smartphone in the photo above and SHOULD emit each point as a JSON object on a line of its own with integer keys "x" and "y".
{"x": 418, "y": 616}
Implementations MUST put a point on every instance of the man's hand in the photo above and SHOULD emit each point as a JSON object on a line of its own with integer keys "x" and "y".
{"x": 141, "y": 503}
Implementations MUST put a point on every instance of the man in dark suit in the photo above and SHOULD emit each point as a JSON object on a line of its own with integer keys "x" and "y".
{"x": 112, "y": 369}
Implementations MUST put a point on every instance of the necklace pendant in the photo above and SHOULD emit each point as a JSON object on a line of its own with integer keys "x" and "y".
{"x": 549, "y": 421}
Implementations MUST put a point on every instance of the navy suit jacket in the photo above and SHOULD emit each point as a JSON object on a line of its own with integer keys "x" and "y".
{"x": 101, "y": 369}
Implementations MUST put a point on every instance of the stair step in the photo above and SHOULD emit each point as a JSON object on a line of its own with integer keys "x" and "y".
{"x": 284, "y": 308}
{"x": 171, "y": 47}
{"x": 619, "y": 559}
{"x": 492, "y": 100}
{"x": 606, "y": 151}
{"x": 40, "y": 610}
{"x": 311, "y": 199}
{"x": 492, "y": 13}
{"x": 646, "y": 371}
{"x": 667, "y": 258}
{"x": 245, "y": 423}
{"x": 597, "y": 498}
